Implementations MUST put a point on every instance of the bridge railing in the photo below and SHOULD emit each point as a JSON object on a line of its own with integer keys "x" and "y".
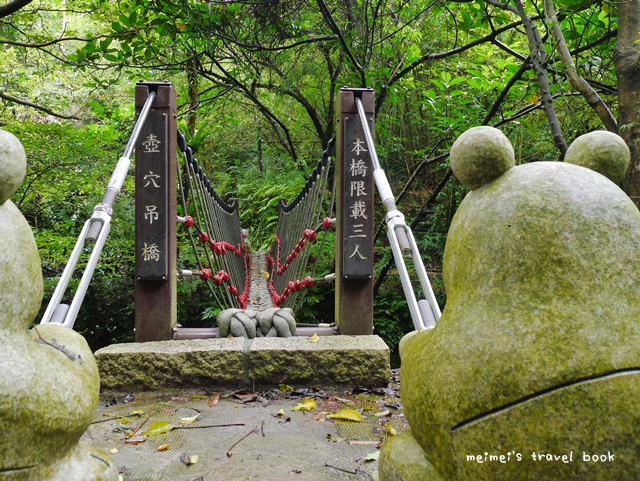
{"x": 299, "y": 223}
{"x": 219, "y": 239}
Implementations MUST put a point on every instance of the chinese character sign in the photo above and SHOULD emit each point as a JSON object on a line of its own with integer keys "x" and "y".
{"x": 357, "y": 207}
{"x": 151, "y": 200}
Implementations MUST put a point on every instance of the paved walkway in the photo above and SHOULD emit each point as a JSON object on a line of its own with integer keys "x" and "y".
{"x": 241, "y": 436}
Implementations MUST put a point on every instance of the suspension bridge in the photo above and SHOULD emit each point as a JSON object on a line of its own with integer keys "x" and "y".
{"x": 178, "y": 207}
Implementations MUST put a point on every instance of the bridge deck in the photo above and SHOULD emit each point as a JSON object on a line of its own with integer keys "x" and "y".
{"x": 259, "y": 297}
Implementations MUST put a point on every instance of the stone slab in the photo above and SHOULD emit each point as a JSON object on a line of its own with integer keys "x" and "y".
{"x": 328, "y": 361}
{"x": 168, "y": 364}
{"x": 331, "y": 360}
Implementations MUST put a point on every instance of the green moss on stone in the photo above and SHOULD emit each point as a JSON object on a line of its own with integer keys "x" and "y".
{"x": 538, "y": 347}
{"x": 601, "y": 151}
{"x": 402, "y": 459}
{"x": 480, "y": 155}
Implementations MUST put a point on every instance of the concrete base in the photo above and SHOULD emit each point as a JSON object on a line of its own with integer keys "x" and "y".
{"x": 330, "y": 361}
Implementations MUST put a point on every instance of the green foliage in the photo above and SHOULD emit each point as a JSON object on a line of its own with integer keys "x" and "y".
{"x": 268, "y": 74}
{"x": 391, "y": 318}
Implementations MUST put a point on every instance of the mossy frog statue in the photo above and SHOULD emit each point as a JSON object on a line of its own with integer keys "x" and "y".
{"x": 533, "y": 371}
{"x": 49, "y": 382}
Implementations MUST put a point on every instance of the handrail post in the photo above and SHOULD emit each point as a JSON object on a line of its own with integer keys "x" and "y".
{"x": 156, "y": 217}
{"x": 354, "y": 217}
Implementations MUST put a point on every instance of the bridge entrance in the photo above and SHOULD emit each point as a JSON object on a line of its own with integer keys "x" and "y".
{"x": 259, "y": 291}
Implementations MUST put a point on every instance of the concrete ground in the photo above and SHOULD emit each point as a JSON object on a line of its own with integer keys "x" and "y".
{"x": 241, "y": 435}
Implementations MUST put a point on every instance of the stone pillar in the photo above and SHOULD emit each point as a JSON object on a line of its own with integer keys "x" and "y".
{"x": 156, "y": 218}
{"x": 355, "y": 193}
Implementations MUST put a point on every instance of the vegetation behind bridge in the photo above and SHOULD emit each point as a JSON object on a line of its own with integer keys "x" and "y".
{"x": 257, "y": 83}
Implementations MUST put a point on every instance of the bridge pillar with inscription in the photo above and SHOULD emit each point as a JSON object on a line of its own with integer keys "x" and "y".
{"x": 354, "y": 216}
{"x": 155, "y": 182}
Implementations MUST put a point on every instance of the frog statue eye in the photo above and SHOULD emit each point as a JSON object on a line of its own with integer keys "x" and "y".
{"x": 481, "y": 155}
{"x": 13, "y": 165}
{"x": 602, "y": 151}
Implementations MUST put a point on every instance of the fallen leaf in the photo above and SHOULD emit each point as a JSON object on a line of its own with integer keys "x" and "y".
{"x": 197, "y": 397}
{"x": 189, "y": 460}
{"x": 383, "y": 414}
{"x": 334, "y": 439}
{"x": 305, "y": 405}
{"x": 213, "y": 400}
{"x": 314, "y": 338}
{"x": 346, "y": 401}
{"x": 245, "y": 398}
{"x": 181, "y": 399}
{"x": 113, "y": 450}
{"x": 136, "y": 413}
{"x": 191, "y": 419}
{"x": 285, "y": 388}
{"x": 390, "y": 429}
{"x": 135, "y": 440}
{"x": 348, "y": 414}
{"x": 164, "y": 447}
{"x": 158, "y": 427}
{"x": 281, "y": 414}
{"x": 372, "y": 456}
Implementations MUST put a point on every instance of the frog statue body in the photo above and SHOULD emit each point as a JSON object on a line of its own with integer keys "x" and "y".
{"x": 49, "y": 381}
{"x": 533, "y": 371}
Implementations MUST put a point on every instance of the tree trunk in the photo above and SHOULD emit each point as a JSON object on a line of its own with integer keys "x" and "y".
{"x": 539, "y": 62}
{"x": 578, "y": 83}
{"x": 192, "y": 95}
{"x": 627, "y": 62}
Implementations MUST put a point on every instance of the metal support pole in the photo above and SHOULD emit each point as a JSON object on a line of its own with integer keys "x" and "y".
{"x": 156, "y": 151}
{"x": 354, "y": 216}
{"x": 424, "y": 312}
{"x": 95, "y": 231}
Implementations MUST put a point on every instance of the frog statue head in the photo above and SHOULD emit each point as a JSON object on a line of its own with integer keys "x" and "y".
{"x": 49, "y": 382}
{"x": 533, "y": 371}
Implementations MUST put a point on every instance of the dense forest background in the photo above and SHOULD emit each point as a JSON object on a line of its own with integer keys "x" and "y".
{"x": 257, "y": 83}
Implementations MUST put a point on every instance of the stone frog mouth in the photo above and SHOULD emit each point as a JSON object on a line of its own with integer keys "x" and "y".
{"x": 16, "y": 470}
{"x": 545, "y": 392}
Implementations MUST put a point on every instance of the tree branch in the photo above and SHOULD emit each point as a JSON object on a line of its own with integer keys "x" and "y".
{"x": 276, "y": 123}
{"x": 435, "y": 56}
{"x": 539, "y": 62}
{"x": 12, "y": 7}
{"x": 590, "y": 95}
{"x": 496, "y": 105}
{"x": 37, "y": 107}
{"x": 334, "y": 28}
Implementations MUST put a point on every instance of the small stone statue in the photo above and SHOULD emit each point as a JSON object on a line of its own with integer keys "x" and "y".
{"x": 49, "y": 381}
{"x": 532, "y": 373}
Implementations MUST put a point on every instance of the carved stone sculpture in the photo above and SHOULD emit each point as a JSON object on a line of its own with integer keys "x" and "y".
{"x": 49, "y": 381}
{"x": 533, "y": 371}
